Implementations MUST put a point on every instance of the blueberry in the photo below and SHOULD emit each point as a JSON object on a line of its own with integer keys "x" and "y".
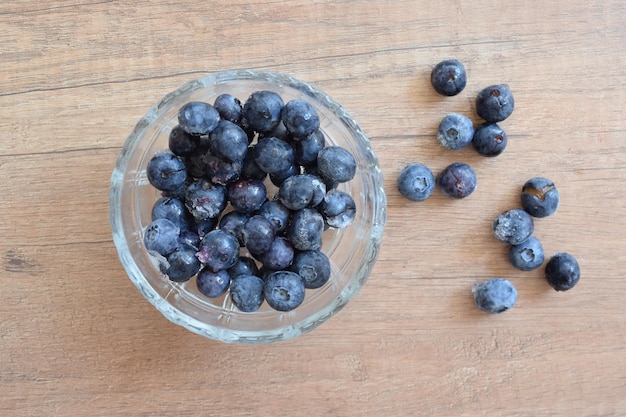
{"x": 313, "y": 266}
{"x": 284, "y": 290}
{"x": 457, "y": 180}
{"x": 495, "y": 103}
{"x": 205, "y": 226}
{"x": 278, "y": 256}
{"x": 229, "y": 107}
{"x": 297, "y": 191}
{"x": 246, "y": 292}
{"x": 540, "y": 197}
{"x": 262, "y": 110}
{"x": 449, "y": 77}
{"x": 166, "y": 171}
{"x": 212, "y": 284}
{"x": 277, "y": 178}
{"x": 527, "y": 255}
{"x": 198, "y": 118}
{"x": 205, "y": 200}
{"x": 489, "y": 139}
{"x": 338, "y": 209}
{"x": 174, "y": 210}
{"x": 228, "y": 141}
{"x": 249, "y": 168}
{"x": 513, "y": 226}
{"x": 455, "y": 131}
{"x": 496, "y": 295}
{"x": 247, "y": 195}
{"x": 220, "y": 171}
{"x": 233, "y": 222}
{"x": 305, "y": 230}
{"x": 273, "y": 155}
{"x": 277, "y": 213}
{"x": 562, "y": 271}
{"x": 336, "y": 164}
{"x": 258, "y": 234}
{"x": 307, "y": 148}
{"x": 161, "y": 236}
{"x": 244, "y": 266}
{"x": 300, "y": 118}
{"x": 182, "y": 143}
{"x": 218, "y": 250}
{"x": 183, "y": 263}
{"x": 416, "y": 182}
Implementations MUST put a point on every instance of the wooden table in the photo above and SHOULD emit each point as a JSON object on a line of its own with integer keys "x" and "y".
{"x": 78, "y": 339}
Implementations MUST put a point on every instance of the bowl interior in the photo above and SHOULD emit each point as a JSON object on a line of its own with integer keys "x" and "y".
{"x": 352, "y": 251}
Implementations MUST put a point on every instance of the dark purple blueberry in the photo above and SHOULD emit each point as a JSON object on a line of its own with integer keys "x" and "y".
{"x": 336, "y": 164}
{"x": 228, "y": 141}
{"x": 495, "y": 103}
{"x": 183, "y": 263}
{"x": 562, "y": 271}
{"x": 489, "y": 139}
{"x": 161, "y": 236}
{"x": 190, "y": 238}
{"x": 182, "y": 143}
{"x": 305, "y": 229}
{"x": 229, "y": 107}
{"x": 166, "y": 171}
{"x": 513, "y": 226}
{"x": 198, "y": 118}
{"x": 284, "y": 290}
{"x": 300, "y": 118}
{"x": 527, "y": 255}
{"x": 212, "y": 284}
{"x": 222, "y": 172}
{"x": 218, "y": 250}
{"x": 277, "y": 213}
{"x": 457, "y": 180}
{"x": 313, "y": 266}
{"x": 416, "y": 182}
{"x": 307, "y": 148}
{"x": 244, "y": 266}
{"x": 495, "y": 296}
{"x": 540, "y": 197}
{"x": 174, "y": 210}
{"x": 205, "y": 200}
{"x": 247, "y": 195}
{"x": 273, "y": 155}
{"x": 338, "y": 209}
{"x": 277, "y": 178}
{"x": 262, "y": 110}
{"x": 278, "y": 256}
{"x": 448, "y": 78}
{"x": 297, "y": 191}
{"x": 249, "y": 168}
{"x": 258, "y": 234}
{"x": 233, "y": 222}
{"x": 246, "y": 292}
{"x": 455, "y": 131}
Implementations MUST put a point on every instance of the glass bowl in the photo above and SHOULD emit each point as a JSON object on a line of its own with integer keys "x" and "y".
{"x": 352, "y": 251}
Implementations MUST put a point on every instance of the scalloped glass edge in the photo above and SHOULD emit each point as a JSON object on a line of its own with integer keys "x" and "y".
{"x": 228, "y": 335}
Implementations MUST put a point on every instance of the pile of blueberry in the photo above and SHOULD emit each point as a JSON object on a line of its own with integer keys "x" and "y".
{"x": 515, "y": 227}
{"x": 215, "y": 180}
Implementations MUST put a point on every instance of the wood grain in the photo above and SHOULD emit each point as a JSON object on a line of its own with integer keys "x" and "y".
{"x": 77, "y": 338}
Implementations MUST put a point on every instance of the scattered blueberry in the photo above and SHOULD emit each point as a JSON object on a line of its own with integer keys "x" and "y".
{"x": 277, "y": 213}
{"x": 495, "y": 296}
{"x": 161, "y": 236}
{"x": 338, "y": 209}
{"x": 307, "y": 148}
{"x": 183, "y": 263}
{"x": 273, "y": 155}
{"x": 228, "y": 141}
{"x": 258, "y": 234}
{"x": 246, "y": 292}
{"x": 218, "y": 250}
{"x": 300, "y": 118}
{"x": 455, "y": 131}
{"x": 513, "y": 226}
{"x": 247, "y": 195}
{"x": 278, "y": 256}
{"x": 233, "y": 222}
{"x": 495, "y": 103}
{"x": 336, "y": 164}
{"x": 262, "y": 110}
{"x": 416, "y": 182}
{"x": 277, "y": 178}
{"x": 174, "y": 210}
{"x": 198, "y": 118}
{"x": 221, "y": 172}
{"x": 297, "y": 191}
{"x": 212, "y": 284}
{"x": 457, "y": 180}
{"x": 527, "y": 255}
{"x": 166, "y": 171}
{"x": 562, "y": 271}
{"x": 229, "y": 107}
{"x": 313, "y": 266}
{"x": 449, "y": 77}
{"x": 249, "y": 168}
{"x": 489, "y": 139}
{"x": 540, "y": 197}
{"x": 305, "y": 230}
{"x": 244, "y": 266}
{"x": 205, "y": 200}
{"x": 284, "y": 290}
{"x": 182, "y": 143}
